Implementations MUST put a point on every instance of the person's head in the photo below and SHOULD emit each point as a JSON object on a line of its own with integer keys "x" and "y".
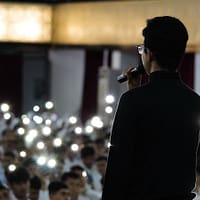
{"x": 4, "y": 192}
{"x": 10, "y": 139}
{"x": 77, "y": 169}
{"x": 100, "y": 146}
{"x": 8, "y": 158}
{"x": 31, "y": 166}
{"x": 165, "y": 40}
{"x": 88, "y": 156}
{"x": 73, "y": 182}
{"x": 19, "y": 182}
{"x": 35, "y": 186}
{"x": 81, "y": 172}
{"x": 58, "y": 191}
{"x": 101, "y": 163}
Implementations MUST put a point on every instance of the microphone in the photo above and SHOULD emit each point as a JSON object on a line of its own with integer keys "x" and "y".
{"x": 137, "y": 71}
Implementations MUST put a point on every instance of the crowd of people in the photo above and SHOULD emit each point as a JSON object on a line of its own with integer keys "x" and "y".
{"x": 34, "y": 167}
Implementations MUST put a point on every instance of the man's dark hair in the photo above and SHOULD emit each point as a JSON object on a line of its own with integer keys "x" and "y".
{"x": 100, "y": 158}
{"x": 55, "y": 186}
{"x": 68, "y": 175}
{"x": 87, "y": 151}
{"x": 35, "y": 183}
{"x": 166, "y": 37}
{"x": 99, "y": 141}
{"x": 20, "y": 175}
{"x": 28, "y": 162}
{"x": 9, "y": 154}
{"x": 77, "y": 167}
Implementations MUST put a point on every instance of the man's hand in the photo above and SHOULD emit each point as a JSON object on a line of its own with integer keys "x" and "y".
{"x": 133, "y": 82}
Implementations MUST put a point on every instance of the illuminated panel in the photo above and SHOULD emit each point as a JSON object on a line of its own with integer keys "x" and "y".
{"x": 120, "y": 22}
{"x": 25, "y": 22}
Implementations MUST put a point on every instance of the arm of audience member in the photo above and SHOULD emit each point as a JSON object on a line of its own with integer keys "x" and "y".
{"x": 43, "y": 195}
{"x": 93, "y": 194}
{"x": 120, "y": 165}
{"x": 43, "y": 178}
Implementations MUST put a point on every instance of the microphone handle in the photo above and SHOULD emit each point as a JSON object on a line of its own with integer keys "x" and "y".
{"x": 139, "y": 70}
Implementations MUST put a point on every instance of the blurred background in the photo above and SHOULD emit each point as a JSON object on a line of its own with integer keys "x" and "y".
{"x": 59, "y": 62}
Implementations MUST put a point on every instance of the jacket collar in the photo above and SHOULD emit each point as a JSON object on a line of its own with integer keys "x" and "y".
{"x": 164, "y": 75}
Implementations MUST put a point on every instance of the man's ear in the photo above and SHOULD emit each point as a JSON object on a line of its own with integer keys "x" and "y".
{"x": 151, "y": 55}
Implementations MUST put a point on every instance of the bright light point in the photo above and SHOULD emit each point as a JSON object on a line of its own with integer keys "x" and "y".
{"x": 36, "y": 108}
{"x": 78, "y": 130}
{"x": 49, "y": 105}
{"x": 48, "y": 122}
{"x": 73, "y": 120}
{"x": 84, "y": 174}
{"x": 37, "y": 119}
{"x": 108, "y": 109}
{"x": 109, "y": 99}
{"x": 74, "y": 147}
{"x": 109, "y": 145}
{"x": 33, "y": 133}
{"x": 46, "y": 131}
{"x": 29, "y": 138}
{"x": 40, "y": 145}
{"x": 26, "y": 120}
{"x": 89, "y": 129}
{"x": 96, "y": 122}
{"x": 51, "y": 163}
{"x": 22, "y": 154}
{"x": 57, "y": 142}
{"x": 6, "y": 116}
{"x": 5, "y": 107}
{"x": 41, "y": 160}
{"x": 20, "y": 131}
{"x": 12, "y": 168}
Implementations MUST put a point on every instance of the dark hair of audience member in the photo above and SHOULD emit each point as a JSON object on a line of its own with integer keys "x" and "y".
{"x": 100, "y": 158}
{"x": 55, "y": 186}
{"x": 68, "y": 175}
{"x": 20, "y": 175}
{"x": 87, "y": 151}
{"x": 35, "y": 183}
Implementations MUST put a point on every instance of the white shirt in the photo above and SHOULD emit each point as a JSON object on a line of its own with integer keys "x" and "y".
{"x": 95, "y": 176}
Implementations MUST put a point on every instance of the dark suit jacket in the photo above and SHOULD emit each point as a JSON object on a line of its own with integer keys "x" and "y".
{"x": 154, "y": 142}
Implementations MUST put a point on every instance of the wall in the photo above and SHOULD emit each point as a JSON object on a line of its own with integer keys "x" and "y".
{"x": 35, "y": 79}
{"x": 67, "y": 76}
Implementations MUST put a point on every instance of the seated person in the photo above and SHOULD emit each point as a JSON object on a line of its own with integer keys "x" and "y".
{"x": 58, "y": 191}
{"x": 101, "y": 163}
{"x": 35, "y": 186}
{"x": 86, "y": 188}
{"x": 73, "y": 181}
{"x": 18, "y": 182}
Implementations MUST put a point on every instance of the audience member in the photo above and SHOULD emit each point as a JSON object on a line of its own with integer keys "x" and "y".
{"x": 58, "y": 191}
{"x": 73, "y": 182}
{"x": 18, "y": 181}
{"x": 88, "y": 163}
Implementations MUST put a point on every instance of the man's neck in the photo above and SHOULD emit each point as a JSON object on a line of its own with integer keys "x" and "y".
{"x": 155, "y": 67}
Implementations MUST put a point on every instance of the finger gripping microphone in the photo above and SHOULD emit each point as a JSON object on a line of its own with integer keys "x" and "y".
{"x": 137, "y": 71}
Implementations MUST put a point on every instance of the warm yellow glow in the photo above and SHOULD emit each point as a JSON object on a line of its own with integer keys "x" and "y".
{"x": 119, "y": 22}
{"x": 109, "y": 23}
{"x": 25, "y": 22}
{"x": 93, "y": 23}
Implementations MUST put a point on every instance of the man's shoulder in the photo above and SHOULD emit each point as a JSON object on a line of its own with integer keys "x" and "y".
{"x": 137, "y": 91}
